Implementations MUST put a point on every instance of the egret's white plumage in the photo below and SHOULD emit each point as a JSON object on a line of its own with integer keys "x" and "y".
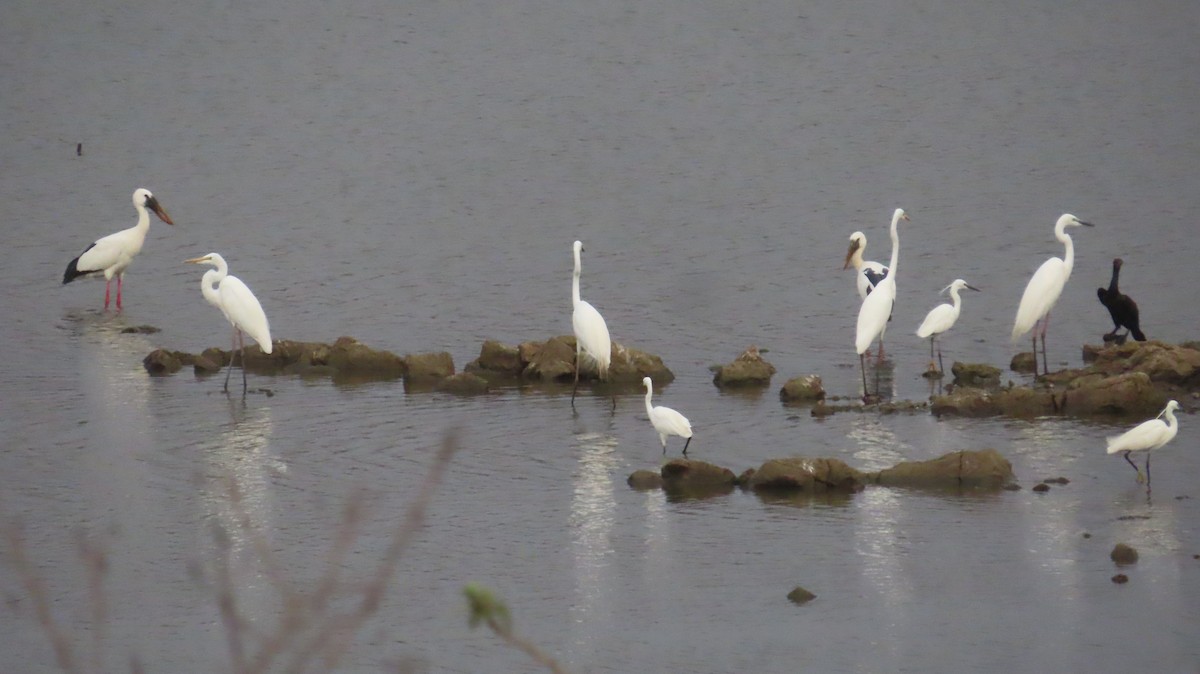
{"x": 942, "y": 317}
{"x": 591, "y": 332}
{"x": 877, "y": 307}
{"x": 1045, "y": 287}
{"x": 239, "y": 305}
{"x": 666, "y": 421}
{"x": 1146, "y": 436}
{"x": 112, "y": 254}
{"x": 867, "y": 273}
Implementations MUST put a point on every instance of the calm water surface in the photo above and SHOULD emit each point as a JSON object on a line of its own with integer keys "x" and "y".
{"x": 414, "y": 174}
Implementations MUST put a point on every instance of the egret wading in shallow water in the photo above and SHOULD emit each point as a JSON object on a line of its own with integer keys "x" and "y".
{"x": 240, "y": 307}
{"x": 942, "y": 317}
{"x": 1145, "y": 437}
{"x": 868, "y": 273}
{"x": 877, "y": 307}
{"x": 667, "y": 421}
{"x": 591, "y": 332}
{"x": 1045, "y": 288}
{"x": 1122, "y": 308}
{"x": 112, "y": 254}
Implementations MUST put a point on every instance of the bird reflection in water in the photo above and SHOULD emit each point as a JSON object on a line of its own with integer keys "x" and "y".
{"x": 593, "y": 515}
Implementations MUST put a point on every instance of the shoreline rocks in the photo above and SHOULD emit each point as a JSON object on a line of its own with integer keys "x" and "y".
{"x": 747, "y": 370}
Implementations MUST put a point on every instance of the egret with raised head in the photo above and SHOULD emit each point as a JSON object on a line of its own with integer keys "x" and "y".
{"x": 877, "y": 307}
{"x": 942, "y": 317}
{"x": 591, "y": 332}
{"x": 240, "y": 307}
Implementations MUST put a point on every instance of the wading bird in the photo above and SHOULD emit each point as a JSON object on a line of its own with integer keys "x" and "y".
{"x": 1145, "y": 437}
{"x": 591, "y": 332}
{"x": 877, "y": 307}
{"x": 1121, "y": 307}
{"x": 667, "y": 421}
{"x": 942, "y": 317}
{"x": 240, "y": 307}
{"x": 112, "y": 254}
{"x": 867, "y": 273}
{"x": 1044, "y": 289}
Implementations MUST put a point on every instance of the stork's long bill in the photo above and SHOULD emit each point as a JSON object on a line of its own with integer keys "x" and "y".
{"x": 161, "y": 212}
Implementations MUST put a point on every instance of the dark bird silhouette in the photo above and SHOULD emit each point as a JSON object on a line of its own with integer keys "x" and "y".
{"x": 1122, "y": 308}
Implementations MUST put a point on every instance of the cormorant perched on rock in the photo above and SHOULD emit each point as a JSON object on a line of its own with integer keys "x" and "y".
{"x": 1122, "y": 308}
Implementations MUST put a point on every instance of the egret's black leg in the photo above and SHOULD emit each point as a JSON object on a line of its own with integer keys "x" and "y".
{"x": 232, "y": 353}
{"x": 689, "y": 441}
{"x": 576, "y": 386}
{"x": 862, "y": 363}
{"x": 242, "y": 349}
{"x": 1139, "y": 470}
{"x": 941, "y": 367}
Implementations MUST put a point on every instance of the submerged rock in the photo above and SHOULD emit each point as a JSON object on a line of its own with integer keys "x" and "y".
{"x": 748, "y": 369}
{"x": 1128, "y": 393}
{"x": 977, "y": 375}
{"x": 161, "y": 362}
{"x": 353, "y": 358}
{"x": 463, "y": 383}
{"x": 685, "y": 472}
{"x": 802, "y": 389}
{"x": 345, "y": 357}
{"x": 985, "y": 469}
{"x": 1123, "y": 554}
{"x": 643, "y": 480}
{"x": 428, "y": 366}
{"x": 800, "y": 596}
{"x": 805, "y": 474}
{"x": 1026, "y": 361}
{"x": 496, "y": 360}
{"x": 554, "y": 360}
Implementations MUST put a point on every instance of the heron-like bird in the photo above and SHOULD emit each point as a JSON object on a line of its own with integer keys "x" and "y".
{"x": 867, "y": 273}
{"x": 1146, "y": 436}
{"x": 1121, "y": 307}
{"x": 942, "y": 317}
{"x": 591, "y": 332}
{"x": 877, "y": 307}
{"x": 666, "y": 421}
{"x": 240, "y": 307}
{"x": 1045, "y": 288}
{"x": 112, "y": 254}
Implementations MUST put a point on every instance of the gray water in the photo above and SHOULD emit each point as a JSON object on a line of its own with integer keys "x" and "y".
{"x": 414, "y": 174}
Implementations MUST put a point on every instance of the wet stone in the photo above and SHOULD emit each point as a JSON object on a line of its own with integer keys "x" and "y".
{"x": 1123, "y": 554}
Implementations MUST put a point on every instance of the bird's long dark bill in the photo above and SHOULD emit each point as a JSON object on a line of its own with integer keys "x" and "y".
{"x": 973, "y": 288}
{"x": 159, "y": 210}
{"x": 850, "y": 254}
{"x": 1086, "y": 224}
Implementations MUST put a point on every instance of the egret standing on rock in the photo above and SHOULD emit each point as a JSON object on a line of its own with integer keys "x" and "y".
{"x": 667, "y": 421}
{"x": 1045, "y": 288}
{"x": 868, "y": 273}
{"x": 591, "y": 332}
{"x": 240, "y": 307}
{"x": 1121, "y": 307}
{"x": 942, "y": 317}
{"x": 877, "y": 307}
{"x": 1145, "y": 437}
{"x": 112, "y": 254}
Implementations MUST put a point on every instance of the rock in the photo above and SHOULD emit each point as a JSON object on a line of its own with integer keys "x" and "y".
{"x": 806, "y": 474}
{"x": 552, "y": 360}
{"x": 1041, "y": 487}
{"x": 496, "y": 360}
{"x": 802, "y": 389}
{"x": 355, "y": 359}
{"x": 644, "y": 480}
{"x": 1056, "y": 480}
{"x": 140, "y": 330}
{"x": 684, "y": 472}
{"x": 215, "y": 355}
{"x": 1130, "y": 393}
{"x": 1120, "y": 579}
{"x": 427, "y": 366}
{"x": 1026, "y": 361}
{"x": 1018, "y": 401}
{"x": 1012, "y": 486}
{"x": 630, "y": 365}
{"x": 984, "y": 469}
{"x": 463, "y": 383}
{"x": 204, "y": 365}
{"x": 161, "y": 362}
{"x": 1123, "y": 554}
{"x": 748, "y": 369}
{"x": 932, "y": 372}
{"x": 800, "y": 596}
{"x": 977, "y": 375}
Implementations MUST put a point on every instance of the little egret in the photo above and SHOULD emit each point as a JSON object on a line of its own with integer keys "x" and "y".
{"x": 1044, "y": 289}
{"x": 942, "y": 317}
{"x": 877, "y": 307}
{"x": 868, "y": 273}
{"x": 591, "y": 332}
{"x": 1122, "y": 308}
{"x": 667, "y": 421}
{"x": 1146, "y": 436}
{"x": 240, "y": 307}
{"x": 112, "y": 254}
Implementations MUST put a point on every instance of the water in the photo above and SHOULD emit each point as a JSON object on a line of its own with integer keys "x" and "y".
{"x": 414, "y": 176}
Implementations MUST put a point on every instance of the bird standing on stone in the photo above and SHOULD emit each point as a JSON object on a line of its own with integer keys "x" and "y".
{"x": 1121, "y": 307}
{"x": 943, "y": 317}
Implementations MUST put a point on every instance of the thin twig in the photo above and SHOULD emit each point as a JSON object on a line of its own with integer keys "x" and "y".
{"x": 36, "y": 587}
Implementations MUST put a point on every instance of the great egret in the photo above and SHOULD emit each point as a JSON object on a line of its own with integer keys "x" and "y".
{"x": 1146, "y": 436}
{"x": 112, "y": 254}
{"x": 942, "y": 317}
{"x": 877, "y": 307}
{"x": 240, "y": 307}
{"x": 1122, "y": 308}
{"x": 1044, "y": 289}
{"x": 591, "y": 332}
{"x": 667, "y": 421}
{"x": 868, "y": 273}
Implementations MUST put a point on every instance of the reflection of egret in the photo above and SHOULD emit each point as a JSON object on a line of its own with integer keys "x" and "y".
{"x": 666, "y": 421}
{"x": 112, "y": 254}
{"x": 592, "y": 519}
{"x": 876, "y": 309}
{"x": 240, "y": 306}
{"x": 1146, "y": 437}
{"x": 591, "y": 332}
{"x": 1045, "y": 288}
{"x": 942, "y": 317}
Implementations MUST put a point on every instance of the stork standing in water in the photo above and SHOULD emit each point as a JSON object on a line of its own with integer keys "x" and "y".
{"x": 112, "y": 254}
{"x": 240, "y": 307}
{"x": 1044, "y": 289}
{"x": 877, "y": 307}
{"x": 1121, "y": 307}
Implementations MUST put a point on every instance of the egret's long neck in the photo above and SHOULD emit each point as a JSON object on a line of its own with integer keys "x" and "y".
{"x": 955, "y": 298}
{"x": 1171, "y": 421}
{"x": 575, "y": 281}
{"x": 1060, "y": 233}
{"x": 211, "y": 277}
{"x": 895, "y": 248}
{"x": 649, "y": 393}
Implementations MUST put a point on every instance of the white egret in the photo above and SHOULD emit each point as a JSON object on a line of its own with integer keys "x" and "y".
{"x": 667, "y": 421}
{"x": 942, "y": 317}
{"x": 877, "y": 307}
{"x": 591, "y": 332}
{"x": 1045, "y": 288}
{"x": 112, "y": 254}
{"x": 240, "y": 307}
{"x": 1146, "y": 436}
{"x": 868, "y": 273}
